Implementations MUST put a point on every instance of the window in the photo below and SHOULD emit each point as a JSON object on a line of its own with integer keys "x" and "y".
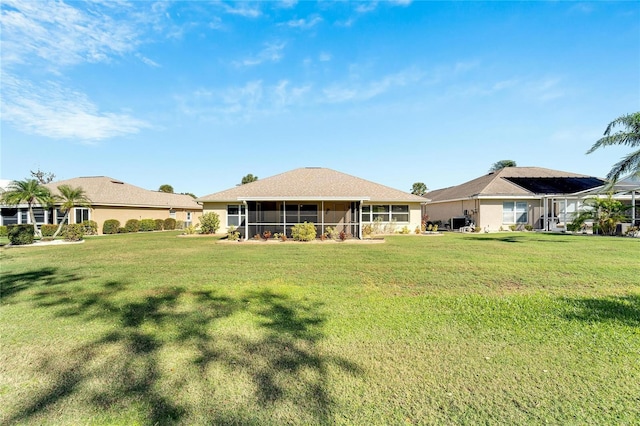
{"x": 81, "y": 215}
{"x": 172, "y": 214}
{"x": 38, "y": 214}
{"x": 60, "y": 216}
{"x": 400, "y": 213}
{"x": 386, "y": 213}
{"x": 9, "y": 216}
{"x": 514, "y": 212}
{"x": 188, "y": 221}
{"x": 366, "y": 213}
{"x": 380, "y": 213}
{"x": 235, "y": 214}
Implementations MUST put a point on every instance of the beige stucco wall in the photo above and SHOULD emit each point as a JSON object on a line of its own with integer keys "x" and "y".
{"x": 491, "y": 213}
{"x": 101, "y": 213}
{"x": 445, "y": 211}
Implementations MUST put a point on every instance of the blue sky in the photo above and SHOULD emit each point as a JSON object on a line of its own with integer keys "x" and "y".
{"x": 198, "y": 94}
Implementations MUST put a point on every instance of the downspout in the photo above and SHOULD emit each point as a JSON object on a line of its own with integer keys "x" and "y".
{"x": 284, "y": 217}
{"x": 246, "y": 219}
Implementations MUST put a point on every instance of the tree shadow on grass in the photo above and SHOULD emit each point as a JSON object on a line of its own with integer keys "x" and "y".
{"x": 512, "y": 239}
{"x": 625, "y": 309}
{"x": 12, "y": 284}
{"x": 125, "y": 368}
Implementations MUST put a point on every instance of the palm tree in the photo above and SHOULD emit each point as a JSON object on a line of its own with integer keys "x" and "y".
{"x": 70, "y": 197}
{"x": 630, "y": 136}
{"x": 29, "y": 191}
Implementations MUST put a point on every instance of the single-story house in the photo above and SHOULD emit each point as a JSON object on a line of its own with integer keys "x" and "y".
{"x": 322, "y": 196}
{"x": 110, "y": 199}
{"x": 517, "y": 196}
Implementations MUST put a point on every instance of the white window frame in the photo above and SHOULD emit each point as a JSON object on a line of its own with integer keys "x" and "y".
{"x": 386, "y": 212}
{"x": 240, "y": 215}
{"x": 518, "y": 210}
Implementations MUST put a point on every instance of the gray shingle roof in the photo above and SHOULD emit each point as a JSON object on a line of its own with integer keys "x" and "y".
{"x": 496, "y": 184}
{"x": 106, "y": 191}
{"x": 312, "y": 183}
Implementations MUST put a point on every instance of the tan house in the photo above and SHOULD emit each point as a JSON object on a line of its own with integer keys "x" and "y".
{"x": 110, "y": 199}
{"x": 517, "y": 196}
{"x": 322, "y": 196}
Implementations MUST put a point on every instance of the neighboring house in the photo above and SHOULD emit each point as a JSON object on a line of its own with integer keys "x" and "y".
{"x": 110, "y": 199}
{"x": 512, "y": 196}
{"x": 322, "y": 196}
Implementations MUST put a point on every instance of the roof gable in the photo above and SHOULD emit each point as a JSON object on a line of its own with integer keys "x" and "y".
{"x": 103, "y": 190}
{"x": 312, "y": 183}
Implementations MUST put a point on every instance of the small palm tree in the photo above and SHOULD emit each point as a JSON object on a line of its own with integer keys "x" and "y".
{"x": 28, "y": 191}
{"x": 629, "y": 136}
{"x": 70, "y": 197}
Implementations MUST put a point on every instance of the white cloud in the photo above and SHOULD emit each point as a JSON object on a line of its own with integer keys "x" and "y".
{"x": 56, "y": 112}
{"x": 46, "y": 39}
{"x": 356, "y": 91}
{"x": 304, "y": 24}
{"x": 366, "y": 7}
{"x": 324, "y": 57}
{"x": 61, "y": 35}
{"x": 271, "y": 53}
{"x": 243, "y": 10}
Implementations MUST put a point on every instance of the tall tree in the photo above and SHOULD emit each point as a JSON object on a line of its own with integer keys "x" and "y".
{"x": 28, "y": 191}
{"x": 629, "y": 135}
{"x": 249, "y": 178}
{"x": 166, "y": 188}
{"x": 70, "y": 197}
{"x": 42, "y": 177}
{"x": 419, "y": 188}
{"x": 499, "y": 165}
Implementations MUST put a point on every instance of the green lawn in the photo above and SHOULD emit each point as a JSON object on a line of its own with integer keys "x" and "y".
{"x": 489, "y": 328}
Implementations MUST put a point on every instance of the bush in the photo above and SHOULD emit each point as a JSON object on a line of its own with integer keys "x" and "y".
{"x": 90, "y": 227}
{"x": 48, "y": 230}
{"x": 232, "y": 234}
{"x": 147, "y": 225}
{"x": 528, "y": 227}
{"x": 3, "y": 231}
{"x": 209, "y": 223}
{"x": 20, "y": 234}
{"x": 122, "y": 230}
{"x": 169, "y": 224}
{"x": 159, "y": 224}
{"x": 132, "y": 225}
{"x": 180, "y": 224}
{"x": 74, "y": 232}
{"x": 303, "y": 231}
{"x": 110, "y": 226}
{"x": 190, "y": 230}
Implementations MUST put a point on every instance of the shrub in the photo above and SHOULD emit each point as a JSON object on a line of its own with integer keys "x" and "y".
{"x": 180, "y": 224}
{"x": 332, "y": 232}
{"x": 147, "y": 225}
{"x": 303, "y": 231}
{"x": 367, "y": 230}
{"x": 266, "y": 235}
{"x": 417, "y": 230}
{"x": 512, "y": 227}
{"x": 209, "y": 223}
{"x": 190, "y": 230}
{"x": 110, "y": 226}
{"x": 159, "y": 224}
{"x": 3, "y": 231}
{"x": 405, "y": 230}
{"x": 283, "y": 237}
{"x": 232, "y": 234}
{"x": 528, "y": 227}
{"x": 435, "y": 228}
{"x": 20, "y": 234}
{"x": 90, "y": 227}
{"x": 132, "y": 225}
{"x": 122, "y": 230}
{"x": 48, "y": 230}
{"x": 74, "y": 232}
{"x": 169, "y": 224}
{"x": 342, "y": 235}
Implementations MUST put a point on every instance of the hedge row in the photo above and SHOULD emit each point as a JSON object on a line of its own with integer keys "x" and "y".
{"x": 113, "y": 226}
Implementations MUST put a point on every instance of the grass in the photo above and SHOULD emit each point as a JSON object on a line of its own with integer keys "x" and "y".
{"x": 154, "y": 329}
